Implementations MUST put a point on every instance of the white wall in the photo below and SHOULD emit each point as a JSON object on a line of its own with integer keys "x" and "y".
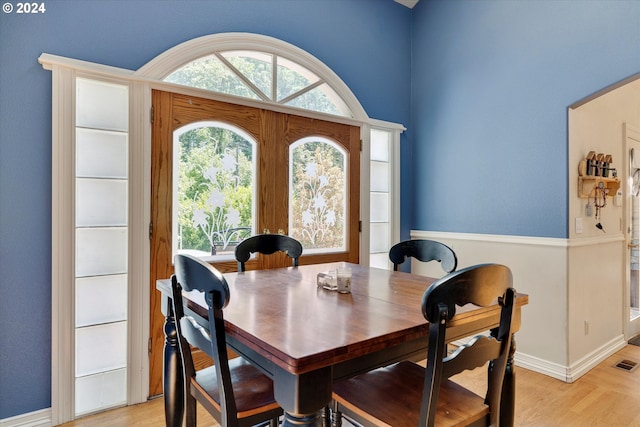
{"x": 598, "y": 126}
{"x": 595, "y": 290}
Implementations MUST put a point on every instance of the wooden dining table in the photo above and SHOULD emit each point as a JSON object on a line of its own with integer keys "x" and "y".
{"x": 306, "y": 337}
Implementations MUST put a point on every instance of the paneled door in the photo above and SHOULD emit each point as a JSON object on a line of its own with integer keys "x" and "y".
{"x": 221, "y": 172}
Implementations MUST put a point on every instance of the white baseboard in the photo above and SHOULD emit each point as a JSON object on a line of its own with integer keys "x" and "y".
{"x": 41, "y": 418}
{"x": 596, "y": 357}
{"x": 570, "y": 374}
{"x": 541, "y": 366}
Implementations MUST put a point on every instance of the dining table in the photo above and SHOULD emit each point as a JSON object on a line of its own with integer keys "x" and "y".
{"x": 306, "y": 337}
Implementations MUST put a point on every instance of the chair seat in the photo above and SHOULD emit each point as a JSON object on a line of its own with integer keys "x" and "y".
{"x": 252, "y": 389}
{"x": 391, "y": 397}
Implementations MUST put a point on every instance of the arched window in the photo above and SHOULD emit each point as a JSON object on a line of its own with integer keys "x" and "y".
{"x": 262, "y": 76}
{"x": 258, "y": 68}
{"x": 214, "y": 168}
{"x": 317, "y": 201}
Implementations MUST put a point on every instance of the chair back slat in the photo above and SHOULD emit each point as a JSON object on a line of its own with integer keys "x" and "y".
{"x": 471, "y": 355}
{"x": 479, "y": 285}
{"x": 423, "y": 250}
{"x": 267, "y": 244}
{"x": 196, "y": 335}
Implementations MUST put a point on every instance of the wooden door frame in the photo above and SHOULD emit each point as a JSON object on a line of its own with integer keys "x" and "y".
{"x": 274, "y": 126}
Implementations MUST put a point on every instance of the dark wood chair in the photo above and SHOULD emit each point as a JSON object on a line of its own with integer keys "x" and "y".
{"x": 233, "y": 391}
{"x": 267, "y": 244}
{"x": 406, "y": 394}
{"x": 425, "y": 251}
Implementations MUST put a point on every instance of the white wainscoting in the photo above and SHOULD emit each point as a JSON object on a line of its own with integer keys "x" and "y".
{"x": 550, "y": 340}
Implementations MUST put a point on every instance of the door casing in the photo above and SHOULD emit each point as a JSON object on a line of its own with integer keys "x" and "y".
{"x": 274, "y": 132}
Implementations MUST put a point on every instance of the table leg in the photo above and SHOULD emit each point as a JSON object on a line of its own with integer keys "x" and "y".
{"x": 304, "y": 397}
{"x": 313, "y": 420}
{"x": 173, "y": 375}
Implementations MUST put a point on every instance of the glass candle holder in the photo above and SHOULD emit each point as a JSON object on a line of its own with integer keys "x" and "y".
{"x": 344, "y": 280}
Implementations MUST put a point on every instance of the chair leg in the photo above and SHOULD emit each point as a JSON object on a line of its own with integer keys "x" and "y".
{"x": 336, "y": 415}
{"x": 326, "y": 416}
{"x": 190, "y": 411}
{"x": 275, "y": 422}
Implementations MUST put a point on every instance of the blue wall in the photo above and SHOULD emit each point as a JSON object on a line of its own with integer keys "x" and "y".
{"x": 485, "y": 99}
{"x": 366, "y": 42}
{"x": 491, "y": 83}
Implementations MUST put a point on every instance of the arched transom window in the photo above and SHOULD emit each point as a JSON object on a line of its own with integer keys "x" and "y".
{"x": 261, "y": 76}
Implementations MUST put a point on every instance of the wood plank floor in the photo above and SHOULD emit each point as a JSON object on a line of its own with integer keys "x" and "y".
{"x": 605, "y": 397}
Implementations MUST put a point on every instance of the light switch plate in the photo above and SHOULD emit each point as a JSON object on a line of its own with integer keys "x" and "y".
{"x": 579, "y": 228}
{"x": 617, "y": 199}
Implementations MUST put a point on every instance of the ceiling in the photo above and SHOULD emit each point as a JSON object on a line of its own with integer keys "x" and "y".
{"x": 408, "y": 3}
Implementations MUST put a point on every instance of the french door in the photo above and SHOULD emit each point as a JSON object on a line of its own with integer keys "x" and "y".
{"x": 246, "y": 170}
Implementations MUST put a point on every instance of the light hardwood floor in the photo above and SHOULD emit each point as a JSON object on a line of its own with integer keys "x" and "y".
{"x": 605, "y": 397}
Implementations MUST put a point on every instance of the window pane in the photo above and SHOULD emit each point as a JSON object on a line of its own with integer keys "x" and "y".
{"x": 101, "y": 299}
{"x": 379, "y": 260}
{"x": 257, "y": 67}
{"x": 101, "y": 154}
{"x": 379, "y": 209}
{"x": 211, "y": 74}
{"x": 101, "y": 348}
{"x": 214, "y": 170}
{"x": 101, "y": 202}
{"x": 101, "y": 391}
{"x": 101, "y": 251}
{"x": 322, "y": 99}
{"x": 380, "y": 145}
{"x": 317, "y": 204}
{"x": 379, "y": 180}
{"x": 380, "y": 237}
{"x": 110, "y": 113}
{"x": 292, "y": 78}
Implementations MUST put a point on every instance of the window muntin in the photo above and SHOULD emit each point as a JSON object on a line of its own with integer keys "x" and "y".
{"x": 210, "y": 73}
{"x": 214, "y": 170}
{"x": 257, "y": 67}
{"x": 320, "y": 98}
{"x": 317, "y": 196}
{"x": 293, "y": 78}
{"x": 261, "y": 76}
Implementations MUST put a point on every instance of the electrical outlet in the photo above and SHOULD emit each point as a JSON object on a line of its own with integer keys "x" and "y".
{"x": 579, "y": 228}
